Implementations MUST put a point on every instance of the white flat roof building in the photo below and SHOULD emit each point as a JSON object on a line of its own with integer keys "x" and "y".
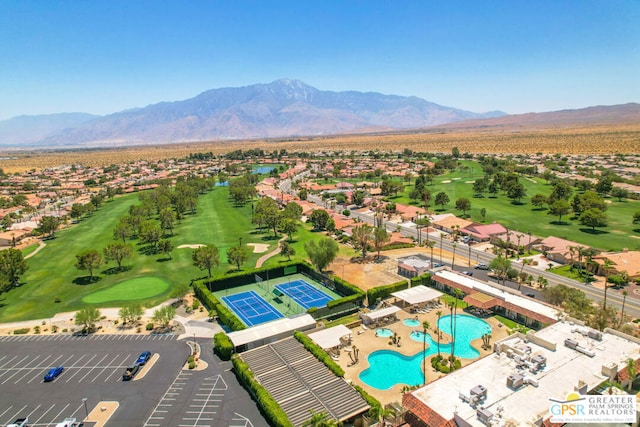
{"x": 527, "y": 306}
{"x": 269, "y": 332}
{"x": 518, "y": 380}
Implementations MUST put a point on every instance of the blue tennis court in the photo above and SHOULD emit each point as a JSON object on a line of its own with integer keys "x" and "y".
{"x": 304, "y": 294}
{"x": 251, "y": 308}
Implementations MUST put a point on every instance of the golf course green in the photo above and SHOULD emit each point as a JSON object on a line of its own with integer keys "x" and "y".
{"x": 129, "y": 290}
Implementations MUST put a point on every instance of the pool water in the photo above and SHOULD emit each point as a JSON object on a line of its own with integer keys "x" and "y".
{"x": 411, "y": 322}
{"x": 384, "y": 332}
{"x": 388, "y": 368}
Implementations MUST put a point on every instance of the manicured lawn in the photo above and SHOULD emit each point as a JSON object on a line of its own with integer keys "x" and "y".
{"x": 52, "y": 275}
{"x": 29, "y": 249}
{"x": 620, "y": 233}
{"x": 129, "y": 290}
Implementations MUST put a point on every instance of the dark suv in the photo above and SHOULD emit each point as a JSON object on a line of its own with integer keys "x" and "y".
{"x": 130, "y": 372}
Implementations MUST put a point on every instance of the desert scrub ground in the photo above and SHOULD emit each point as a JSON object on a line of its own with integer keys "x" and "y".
{"x": 600, "y": 139}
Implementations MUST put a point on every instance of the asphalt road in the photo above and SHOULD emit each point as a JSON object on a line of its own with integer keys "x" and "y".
{"x": 166, "y": 396}
{"x": 614, "y": 296}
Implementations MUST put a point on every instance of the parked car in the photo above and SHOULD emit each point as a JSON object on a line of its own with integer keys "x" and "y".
{"x": 481, "y": 267}
{"x": 468, "y": 273}
{"x": 68, "y": 422}
{"x": 20, "y": 422}
{"x": 130, "y": 372}
{"x": 531, "y": 295}
{"x": 53, "y": 373}
{"x": 143, "y": 358}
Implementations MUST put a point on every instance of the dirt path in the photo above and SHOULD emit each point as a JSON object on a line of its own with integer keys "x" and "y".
{"x": 276, "y": 251}
{"x": 41, "y": 245}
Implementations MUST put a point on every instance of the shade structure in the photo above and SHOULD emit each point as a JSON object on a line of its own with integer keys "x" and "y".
{"x": 417, "y": 294}
{"x": 330, "y": 337}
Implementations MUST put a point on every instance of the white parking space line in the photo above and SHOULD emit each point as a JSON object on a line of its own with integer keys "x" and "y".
{"x": 163, "y": 401}
{"x": 116, "y": 370}
{"x": 43, "y": 415}
{"x": 5, "y": 411}
{"x": 16, "y": 414}
{"x": 15, "y": 373}
{"x": 39, "y": 374}
{"x": 29, "y": 371}
{"x": 240, "y": 420}
{"x": 77, "y": 369}
{"x": 30, "y": 414}
{"x": 109, "y": 365}
{"x": 59, "y": 415}
{"x": 97, "y": 366}
{"x": 7, "y": 362}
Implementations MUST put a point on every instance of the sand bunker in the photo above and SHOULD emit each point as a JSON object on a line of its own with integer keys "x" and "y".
{"x": 258, "y": 248}
{"x": 191, "y": 246}
{"x": 446, "y": 181}
{"x": 469, "y": 182}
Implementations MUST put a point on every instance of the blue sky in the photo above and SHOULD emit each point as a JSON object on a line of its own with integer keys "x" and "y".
{"x": 515, "y": 55}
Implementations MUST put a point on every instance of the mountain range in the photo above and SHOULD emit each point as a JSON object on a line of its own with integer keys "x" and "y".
{"x": 283, "y": 108}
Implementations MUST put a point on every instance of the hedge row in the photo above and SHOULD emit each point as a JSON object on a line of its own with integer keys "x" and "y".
{"x": 346, "y": 288}
{"x": 225, "y": 315}
{"x": 357, "y": 298}
{"x": 376, "y": 406}
{"x": 398, "y": 246}
{"x": 268, "y": 406}
{"x": 222, "y": 346}
{"x": 319, "y": 353}
{"x": 241, "y": 278}
{"x": 383, "y": 292}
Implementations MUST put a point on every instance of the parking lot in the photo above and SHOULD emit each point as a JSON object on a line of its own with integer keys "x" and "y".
{"x": 165, "y": 395}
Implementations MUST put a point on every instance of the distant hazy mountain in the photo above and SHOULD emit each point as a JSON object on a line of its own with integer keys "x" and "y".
{"x": 28, "y": 129}
{"x": 279, "y": 109}
{"x": 599, "y": 115}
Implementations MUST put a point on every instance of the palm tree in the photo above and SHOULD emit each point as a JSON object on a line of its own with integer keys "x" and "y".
{"x": 320, "y": 419}
{"x": 525, "y": 261}
{"x": 572, "y": 252}
{"x": 580, "y": 250}
{"x": 607, "y": 266}
{"x": 453, "y": 260}
{"x": 451, "y": 305}
{"x": 519, "y": 236}
{"x": 458, "y": 294}
{"x": 589, "y": 253}
{"x": 631, "y": 370}
{"x": 430, "y": 244}
{"x": 441, "y": 237}
{"x": 438, "y": 313}
{"x": 425, "y": 326}
{"x": 624, "y": 300}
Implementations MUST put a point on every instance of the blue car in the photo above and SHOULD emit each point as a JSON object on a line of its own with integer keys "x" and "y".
{"x": 53, "y": 373}
{"x": 143, "y": 358}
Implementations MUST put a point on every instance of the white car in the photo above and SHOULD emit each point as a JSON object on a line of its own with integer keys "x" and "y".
{"x": 68, "y": 422}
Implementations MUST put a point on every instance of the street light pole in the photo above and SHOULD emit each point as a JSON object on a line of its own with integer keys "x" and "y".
{"x": 86, "y": 411}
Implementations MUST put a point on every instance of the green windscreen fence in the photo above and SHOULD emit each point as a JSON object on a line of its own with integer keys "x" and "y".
{"x": 290, "y": 270}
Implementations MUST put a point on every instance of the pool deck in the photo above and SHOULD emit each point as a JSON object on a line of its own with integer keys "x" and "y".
{"x": 367, "y": 342}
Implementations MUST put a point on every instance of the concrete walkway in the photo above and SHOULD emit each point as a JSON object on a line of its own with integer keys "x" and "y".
{"x": 192, "y": 327}
{"x": 41, "y": 245}
{"x": 275, "y": 252}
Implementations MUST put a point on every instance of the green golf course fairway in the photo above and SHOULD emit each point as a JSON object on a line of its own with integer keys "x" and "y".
{"x": 129, "y": 290}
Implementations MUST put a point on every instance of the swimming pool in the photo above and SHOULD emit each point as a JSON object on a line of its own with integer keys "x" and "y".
{"x": 388, "y": 368}
{"x": 468, "y": 328}
{"x": 384, "y": 332}
{"x": 411, "y": 322}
